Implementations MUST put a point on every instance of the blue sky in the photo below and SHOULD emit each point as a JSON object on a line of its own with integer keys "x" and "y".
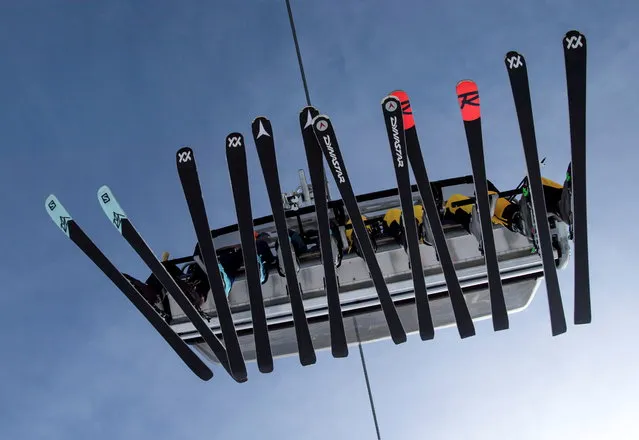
{"x": 106, "y": 93}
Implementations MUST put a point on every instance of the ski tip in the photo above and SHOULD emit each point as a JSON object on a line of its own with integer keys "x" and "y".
{"x": 407, "y": 111}
{"x": 262, "y": 128}
{"x": 307, "y": 114}
{"x": 468, "y": 97}
{"x": 234, "y": 140}
{"x": 514, "y": 60}
{"x": 58, "y": 214}
{"x": 111, "y": 207}
{"x": 260, "y": 118}
{"x": 390, "y": 103}
{"x": 184, "y": 156}
{"x": 321, "y": 123}
{"x": 390, "y": 97}
{"x": 205, "y": 374}
{"x": 574, "y": 40}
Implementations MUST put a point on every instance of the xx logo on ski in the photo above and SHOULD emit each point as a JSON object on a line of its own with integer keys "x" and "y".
{"x": 117, "y": 219}
{"x": 262, "y": 131}
{"x": 52, "y": 205}
{"x": 514, "y": 62}
{"x": 574, "y": 42}
{"x": 64, "y": 222}
{"x": 322, "y": 126}
{"x": 105, "y": 198}
{"x": 390, "y": 106}
{"x": 234, "y": 142}
{"x": 185, "y": 156}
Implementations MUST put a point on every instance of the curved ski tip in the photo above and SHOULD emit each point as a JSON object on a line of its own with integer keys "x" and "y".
{"x": 321, "y": 123}
{"x": 111, "y": 207}
{"x": 574, "y": 33}
{"x": 205, "y": 375}
{"x": 468, "y": 99}
{"x": 400, "y": 94}
{"x": 263, "y": 118}
{"x": 407, "y": 111}
{"x": 390, "y": 97}
{"x": 234, "y": 140}
{"x": 184, "y": 155}
{"x": 514, "y": 60}
{"x": 307, "y": 114}
{"x": 309, "y": 108}
{"x": 467, "y": 83}
{"x": 58, "y": 214}
{"x": 574, "y": 40}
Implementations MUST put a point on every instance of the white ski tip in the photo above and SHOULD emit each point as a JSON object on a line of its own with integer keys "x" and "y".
{"x": 309, "y": 118}
{"x": 58, "y": 214}
{"x": 111, "y": 207}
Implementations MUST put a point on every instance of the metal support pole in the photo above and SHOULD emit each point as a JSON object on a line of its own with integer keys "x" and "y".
{"x": 304, "y": 83}
{"x": 368, "y": 384}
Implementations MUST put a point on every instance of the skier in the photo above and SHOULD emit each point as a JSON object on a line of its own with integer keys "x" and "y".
{"x": 311, "y": 238}
{"x": 231, "y": 261}
{"x": 351, "y": 239}
{"x": 190, "y": 283}
{"x": 298, "y": 247}
{"x": 152, "y": 296}
{"x": 393, "y": 226}
{"x": 507, "y": 213}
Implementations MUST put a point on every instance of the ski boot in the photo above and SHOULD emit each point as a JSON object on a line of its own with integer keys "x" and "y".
{"x": 226, "y": 281}
{"x": 337, "y": 245}
{"x": 527, "y": 219}
{"x": 280, "y": 259}
{"x": 263, "y": 270}
{"x": 565, "y": 203}
{"x": 475, "y": 224}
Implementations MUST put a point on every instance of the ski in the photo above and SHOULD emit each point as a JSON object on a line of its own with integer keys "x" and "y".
{"x": 327, "y": 140}
{"x": 238, "y": 173}
{"x": 575, "y": 57}
{"x": 265, "y": 144}
{"x": 468, "y": 96}
{"x": 315, "y": 161}
{"x": 392, "y": 110}
{"x": 67, "y": 224}
{"x": 116, "y": 215}
{"x": 518, "y": 75}
{"x": 465, "y": 325}
{"x": 187, "y": 171}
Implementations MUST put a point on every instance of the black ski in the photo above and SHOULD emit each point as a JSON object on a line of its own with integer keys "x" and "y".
{"x": 263, "y": 136}
{"x": 468, "y": 96}
{"x": 392, "y": 110}
{"x": 518, "y": 74}
{"x": 236, "y": 161}
{"x": 464, "y": 321}
{"x": 187, "y": 170}
{"x": 575, "y": 56}
{"x": 327, "y": 140}
{"x": 116, "y": 215}
{"x": 65, "y": 222}
{"x": 315, "y": 162}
